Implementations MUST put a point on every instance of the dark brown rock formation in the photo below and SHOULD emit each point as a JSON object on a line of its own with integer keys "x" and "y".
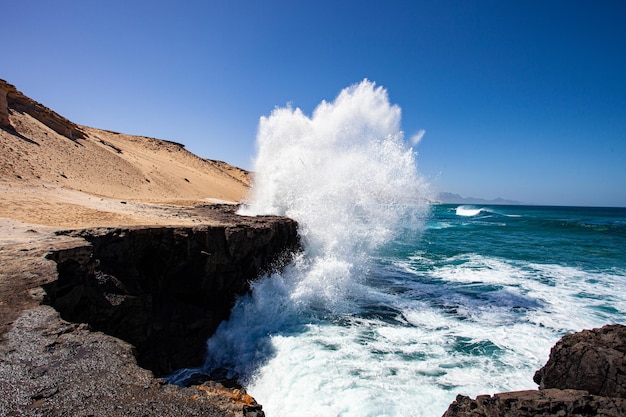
{"x": 13, "y": 100}
{"x": 591, "y": 360}
{"x": 165, "y": 289}
{"x": 544, "y": 403}
{"x": 585, "y": 376}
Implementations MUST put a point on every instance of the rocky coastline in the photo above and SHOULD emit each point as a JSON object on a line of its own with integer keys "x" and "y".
{"x": 98, "y": 315}
{"x": 92, "y": 318}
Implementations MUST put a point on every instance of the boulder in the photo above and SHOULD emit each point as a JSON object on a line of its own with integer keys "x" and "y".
{"x": 591, "y": 360}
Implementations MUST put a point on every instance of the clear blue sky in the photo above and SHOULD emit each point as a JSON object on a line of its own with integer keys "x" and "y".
{"x": 522, "y": 100}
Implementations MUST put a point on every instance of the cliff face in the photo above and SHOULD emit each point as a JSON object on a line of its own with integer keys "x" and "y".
{"x": 11, "y": 98}
{"x": 166, "y": 289}
{"x": 4, "y": 105}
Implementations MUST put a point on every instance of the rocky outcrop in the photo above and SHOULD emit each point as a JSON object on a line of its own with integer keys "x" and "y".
{"x": 585, "y": 376}
{"x": 4, "y": 106}
{"x": 544, "y": 403}
{"x": 13, "y": 100}
{"x": 166, "y": 289}
{"x": 591, "y": 360}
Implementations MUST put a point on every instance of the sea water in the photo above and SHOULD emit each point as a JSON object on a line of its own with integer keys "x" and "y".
{"x": 396, "y": 305}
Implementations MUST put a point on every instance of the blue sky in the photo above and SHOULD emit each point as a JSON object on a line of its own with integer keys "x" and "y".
{"x": 521, "y": 100}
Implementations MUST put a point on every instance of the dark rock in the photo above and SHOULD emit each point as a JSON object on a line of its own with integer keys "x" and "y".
{"x": 585, "y": 376}
{"x": 46, "y": 392}
{"x": 166, "y": 289}
{"x": 591, "y": 360}
{"x": 544, "y": 403}
{"x": 253, "y": 411}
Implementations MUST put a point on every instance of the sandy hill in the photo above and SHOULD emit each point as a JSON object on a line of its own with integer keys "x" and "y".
{"x": 55, "y": 172}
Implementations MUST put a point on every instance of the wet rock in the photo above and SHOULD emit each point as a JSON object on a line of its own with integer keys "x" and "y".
{"x": 253, "y": 411}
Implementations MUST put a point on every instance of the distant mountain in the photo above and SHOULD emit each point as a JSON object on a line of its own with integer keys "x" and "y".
{"x": 450, "y": 198}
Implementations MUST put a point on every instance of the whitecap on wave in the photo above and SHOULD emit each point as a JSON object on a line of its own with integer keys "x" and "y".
{"x": 468, "y": 211}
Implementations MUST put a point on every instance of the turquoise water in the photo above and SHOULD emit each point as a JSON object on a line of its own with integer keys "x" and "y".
{"x": 469, "y": 302}
{"x": 546, "y": 270}
{"x": 395, "y": 306}
{"x": 591, "y": 238}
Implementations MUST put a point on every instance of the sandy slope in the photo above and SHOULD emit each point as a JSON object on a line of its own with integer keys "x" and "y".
{"x": 104, "y": 179}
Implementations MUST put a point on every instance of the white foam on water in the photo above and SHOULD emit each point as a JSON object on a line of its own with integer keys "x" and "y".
{"x": 354, "y": 370}
{"x": 488, "y": 324}
{"x": 520, "y": 307}
{"x": 562, "y": 298}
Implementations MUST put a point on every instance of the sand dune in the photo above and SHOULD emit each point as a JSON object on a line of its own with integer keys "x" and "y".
{"x": 94, "y": 177}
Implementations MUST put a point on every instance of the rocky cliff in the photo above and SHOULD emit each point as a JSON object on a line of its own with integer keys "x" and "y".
{"x": 122, "y": 296}
{"x": 584, "y": 376}
{"x": 166, "y": 289}
{"x": 13, "y": 100}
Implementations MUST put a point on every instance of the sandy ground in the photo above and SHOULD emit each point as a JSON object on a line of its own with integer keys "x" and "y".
{"x": 107, "y": 179}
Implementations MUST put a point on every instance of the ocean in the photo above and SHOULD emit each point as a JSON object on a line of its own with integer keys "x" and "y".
{"x": 396, "y": 304}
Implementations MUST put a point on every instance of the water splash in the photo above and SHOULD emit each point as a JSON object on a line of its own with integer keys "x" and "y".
{"x": 346, "y": 175}
{"x": 350, "y": 180}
